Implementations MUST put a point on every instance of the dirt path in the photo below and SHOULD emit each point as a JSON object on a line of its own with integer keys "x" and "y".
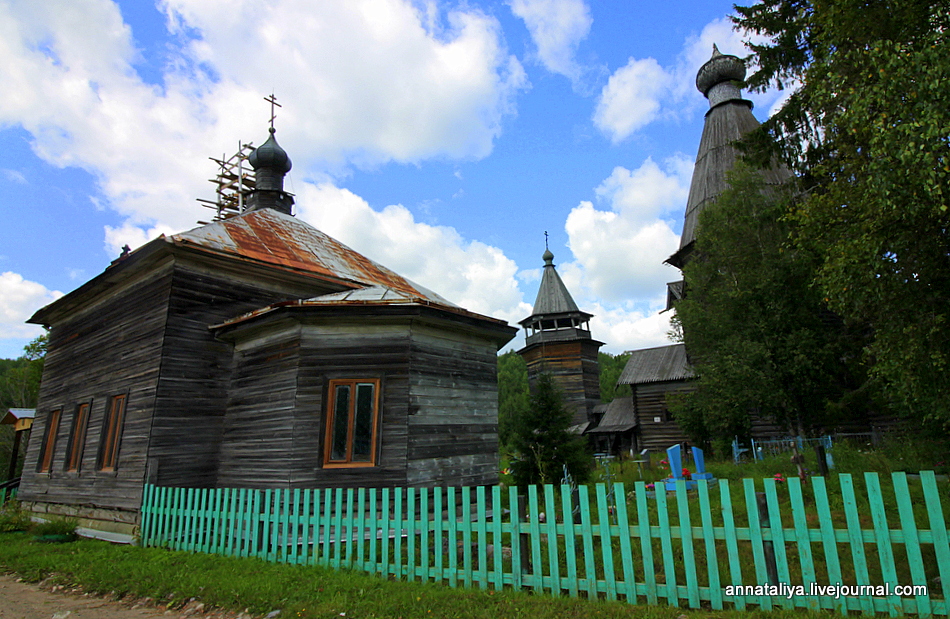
{"x": 20, "y": 600}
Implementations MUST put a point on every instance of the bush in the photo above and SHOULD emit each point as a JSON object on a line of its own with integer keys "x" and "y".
{"x": 13, "y": 518}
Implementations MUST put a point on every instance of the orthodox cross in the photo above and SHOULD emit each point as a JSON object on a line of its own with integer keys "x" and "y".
{"x": 545, "y": 239}
{"x": 273, "y": 101}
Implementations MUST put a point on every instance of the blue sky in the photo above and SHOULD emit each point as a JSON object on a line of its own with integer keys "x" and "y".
{"x": 441, "y": 139}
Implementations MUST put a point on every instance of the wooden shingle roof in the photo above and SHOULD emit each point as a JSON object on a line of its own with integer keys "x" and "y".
{"x": 654, "y": 365}
{"x": 619, "y": 417}
{"x": 727, "y": 121}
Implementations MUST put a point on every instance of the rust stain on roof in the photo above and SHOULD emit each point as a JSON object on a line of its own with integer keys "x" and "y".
{"x": 275, "y": 238}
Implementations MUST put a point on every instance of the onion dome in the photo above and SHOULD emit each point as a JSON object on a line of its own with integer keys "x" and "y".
{"x": 548, "y": 258}
{"x": 717, "y": 78}
{"x": 270, "y": 163}
{"x": 270, "y": 155}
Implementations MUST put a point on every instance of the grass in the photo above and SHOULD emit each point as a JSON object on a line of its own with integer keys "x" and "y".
{"x": 299, "y": 592}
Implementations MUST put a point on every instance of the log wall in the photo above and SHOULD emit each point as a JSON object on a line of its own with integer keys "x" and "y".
{"x": 110, "y": 348}
{"x": 573, "y": 366}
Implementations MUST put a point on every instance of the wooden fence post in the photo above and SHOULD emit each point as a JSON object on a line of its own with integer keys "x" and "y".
{"x": 523, "y": 537}
{"x": 767, "y": 546}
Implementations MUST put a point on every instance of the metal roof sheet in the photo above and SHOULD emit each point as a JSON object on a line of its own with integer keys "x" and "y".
{"x": 272, "y": 237}
{"x": 13, "y": 414}
{"x": 653, "y": 365}
{"x": 369, "y": 296}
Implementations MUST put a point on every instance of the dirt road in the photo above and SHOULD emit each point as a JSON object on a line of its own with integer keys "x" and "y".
{"x": 20, "y": 600}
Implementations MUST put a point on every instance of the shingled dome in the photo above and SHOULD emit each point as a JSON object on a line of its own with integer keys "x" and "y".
{"x": 729, "y": 118}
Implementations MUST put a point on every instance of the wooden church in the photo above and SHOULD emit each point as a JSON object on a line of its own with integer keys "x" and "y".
{"x": 655, "y": 373}
{"x": 256, "y": 351}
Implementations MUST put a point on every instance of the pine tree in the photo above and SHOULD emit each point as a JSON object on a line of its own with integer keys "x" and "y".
{"x": 541, "y": 440}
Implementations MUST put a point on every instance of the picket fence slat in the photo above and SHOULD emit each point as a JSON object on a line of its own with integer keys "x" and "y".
{"x": 758, "y": 542}
{"x": 563, "y": 541}
{"x": 497, "y": 538}
{"x": 732, "y": 543}
{"x": 481, "y": 529}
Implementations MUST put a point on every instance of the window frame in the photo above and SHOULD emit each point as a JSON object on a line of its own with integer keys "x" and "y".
{"x": 330, "y": 419}
{"x": 111, "y": 436}
{"x": 77, "y": 437}
{"x": 45, "y": 462}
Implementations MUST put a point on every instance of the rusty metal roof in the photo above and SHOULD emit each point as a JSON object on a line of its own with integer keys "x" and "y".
{"x": 271, "y": 237}
{"x": 653, "y": 365}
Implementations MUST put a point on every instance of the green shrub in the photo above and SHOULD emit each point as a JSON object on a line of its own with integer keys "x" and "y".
{"x": 13, "y": 518}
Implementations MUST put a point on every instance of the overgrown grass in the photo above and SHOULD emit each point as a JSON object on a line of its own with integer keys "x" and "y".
{"x": 897, "y": 453}
{"x": 299, "y": 592}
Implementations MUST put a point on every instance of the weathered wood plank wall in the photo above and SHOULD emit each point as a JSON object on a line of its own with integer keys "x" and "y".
{"x": 110, "y": 348}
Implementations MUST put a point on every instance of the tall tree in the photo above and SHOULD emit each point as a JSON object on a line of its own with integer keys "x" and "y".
{"x": 867, "y": 130}
{"x": 541, "y": 441}
{"x": 758, "y": 334}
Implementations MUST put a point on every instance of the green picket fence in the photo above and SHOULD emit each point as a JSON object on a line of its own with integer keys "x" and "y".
{"x": 7, "y": 494}
{"x": 841, "y": 544}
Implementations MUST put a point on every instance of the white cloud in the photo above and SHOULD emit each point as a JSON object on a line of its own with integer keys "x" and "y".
{"x": 14, "y": 176}
{"x": 620, "y": 251}
{"x": 631, "y": 98}
{"x": 557, "y": 27}
{"x": 618, "y": 273}
{"x": 435, "y": 256}
{"x": 19, "y": 298}
{"x": 362, "y": 82}
{"x": 631, "y": 326}
{"x": 643, "y": 91}
{"x": 133, "y": 236}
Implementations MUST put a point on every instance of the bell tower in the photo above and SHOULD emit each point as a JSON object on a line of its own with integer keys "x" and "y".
{"x": 558, "y": 342}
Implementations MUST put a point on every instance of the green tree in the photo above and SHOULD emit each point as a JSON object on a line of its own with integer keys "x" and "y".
{"x": 541, "y": 442}
{"x": 867, "y": 130}
{"x": 513, "y": 394}
{"x": 611, "y": 367}
{"x": 19, "y": 388}
{"x": 758, "y": 334}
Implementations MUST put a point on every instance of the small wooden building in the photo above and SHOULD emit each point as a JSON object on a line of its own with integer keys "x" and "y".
{"x": 614, "y": 431}
{"x": 256, "y": 351}
{"x": 653, "y": 375}
{"x": 22, "y": 420}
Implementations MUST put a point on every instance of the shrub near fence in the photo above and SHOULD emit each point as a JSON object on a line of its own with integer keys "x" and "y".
{"x": 678, "y": 548}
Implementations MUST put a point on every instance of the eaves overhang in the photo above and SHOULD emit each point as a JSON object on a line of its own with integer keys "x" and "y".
{"x": 367, "y": 311}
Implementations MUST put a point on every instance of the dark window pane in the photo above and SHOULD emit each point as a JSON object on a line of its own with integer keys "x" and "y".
{"x": 363, "y": 424}
{"x": 341, "y": 422}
